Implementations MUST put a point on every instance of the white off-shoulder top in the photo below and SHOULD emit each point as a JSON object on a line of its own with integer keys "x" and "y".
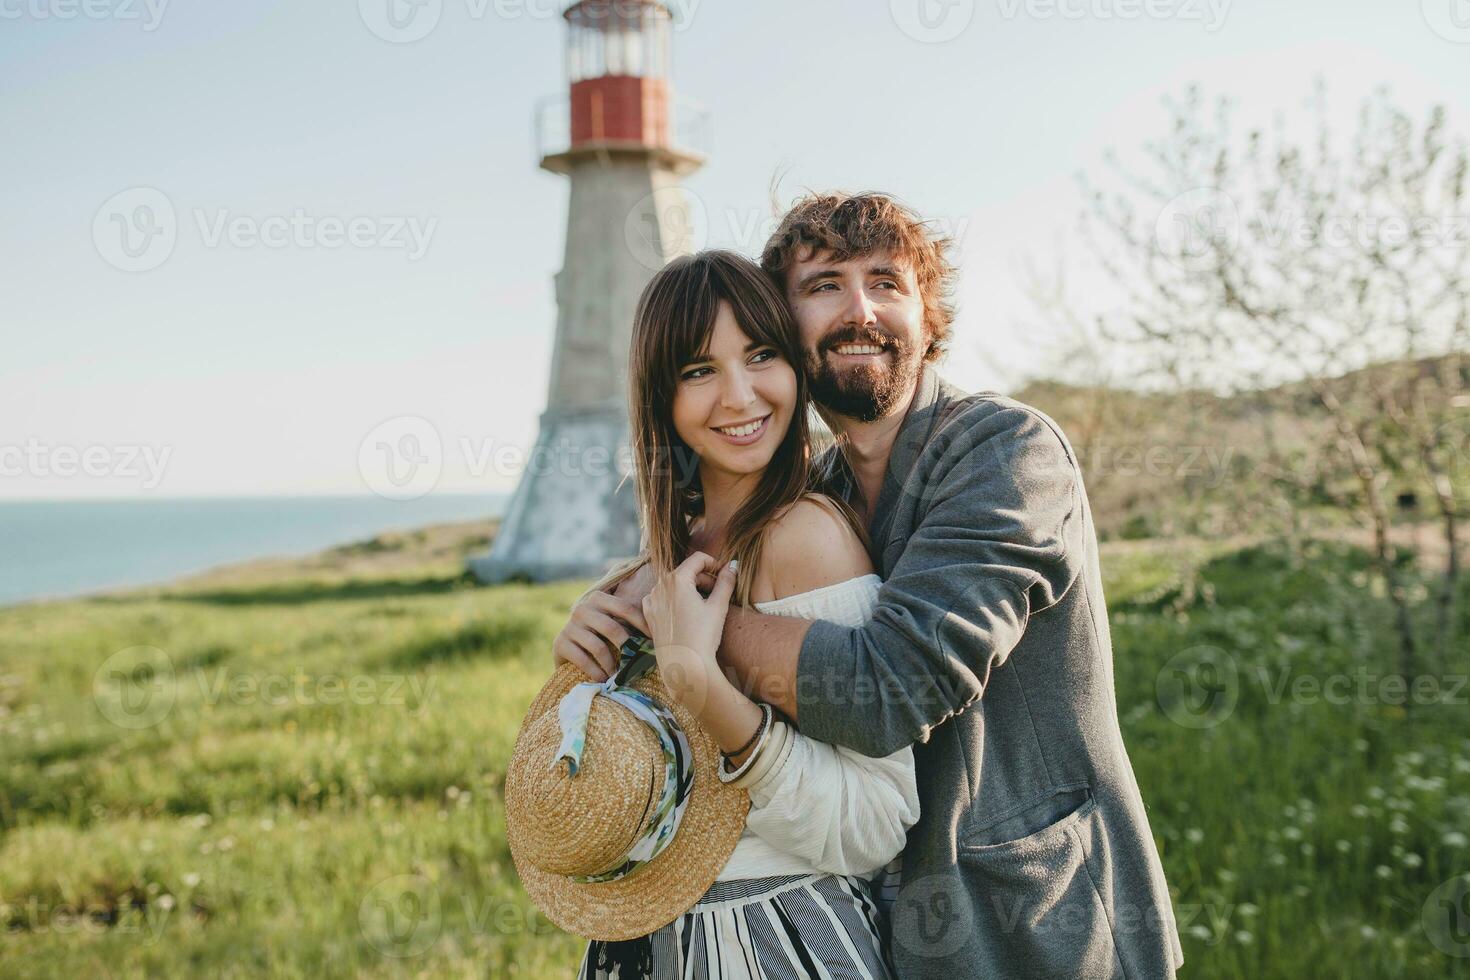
{"x": 821, "y": 807}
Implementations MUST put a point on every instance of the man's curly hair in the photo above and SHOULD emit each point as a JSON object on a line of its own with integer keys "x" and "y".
{"x": 852, "y": 225}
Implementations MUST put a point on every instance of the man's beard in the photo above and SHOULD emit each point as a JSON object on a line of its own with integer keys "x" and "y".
{"x": 865, "y": 393}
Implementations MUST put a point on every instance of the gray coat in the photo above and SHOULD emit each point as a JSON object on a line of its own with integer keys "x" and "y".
{"x": 989, "y": 652}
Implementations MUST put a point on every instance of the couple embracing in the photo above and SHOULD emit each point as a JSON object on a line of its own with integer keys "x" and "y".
{"x": 881, "y": 739}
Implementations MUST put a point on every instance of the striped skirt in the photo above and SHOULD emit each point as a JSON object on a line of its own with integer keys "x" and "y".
{"x": 778, "y": 928}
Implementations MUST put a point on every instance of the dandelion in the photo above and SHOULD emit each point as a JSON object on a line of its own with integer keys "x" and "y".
{"x": 1248, "y": 910}
{"x": 1368, "y": 932}
{"x": 165, "y": 901}
{"x": 267, "y": 823}
{"x": 1243, "y": 937}
{"x": 1383, "y": 871}
{"x": 1412, "y": 860}
{"x": 191, "y": 879}
{"x": 1202, "y": 933}
{"x": 1194, "y": 835}
{"x": 1453, "y": 838}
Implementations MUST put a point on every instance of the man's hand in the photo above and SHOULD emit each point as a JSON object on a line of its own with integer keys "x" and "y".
{"x": 638, "y": 586}
{"x": 598, "y": 627}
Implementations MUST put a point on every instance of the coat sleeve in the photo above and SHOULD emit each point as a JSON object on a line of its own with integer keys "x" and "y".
{"x": 844, "y": 812}
{"x": 998, "y": 537}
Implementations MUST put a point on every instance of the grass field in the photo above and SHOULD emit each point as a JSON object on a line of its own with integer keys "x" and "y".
{"x": 298, "y": 772}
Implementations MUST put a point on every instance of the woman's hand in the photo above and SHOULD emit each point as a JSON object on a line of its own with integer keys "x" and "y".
{"x": 682, "y": 622}
{"x": 598, "y": 627}
{"x": 686, "y": 630}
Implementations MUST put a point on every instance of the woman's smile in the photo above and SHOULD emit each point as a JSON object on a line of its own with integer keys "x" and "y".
{"x": 744, "y": 433}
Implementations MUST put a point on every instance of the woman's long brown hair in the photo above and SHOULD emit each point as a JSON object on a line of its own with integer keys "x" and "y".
{"x": 672, "y": 328}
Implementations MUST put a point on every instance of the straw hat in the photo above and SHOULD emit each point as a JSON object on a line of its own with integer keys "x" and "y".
{"x": 559, "y": 825}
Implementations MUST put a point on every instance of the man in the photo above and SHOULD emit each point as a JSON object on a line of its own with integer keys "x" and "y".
{"x": 989, "y": 651}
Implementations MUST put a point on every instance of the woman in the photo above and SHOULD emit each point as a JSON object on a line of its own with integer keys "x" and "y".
{"x": 724, "y": 474}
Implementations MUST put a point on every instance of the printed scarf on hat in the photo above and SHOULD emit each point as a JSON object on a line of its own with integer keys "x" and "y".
{"x": 573, "y": 713}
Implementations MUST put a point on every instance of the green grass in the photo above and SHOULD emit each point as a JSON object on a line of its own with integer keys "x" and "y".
{"x": 312, "y": 787}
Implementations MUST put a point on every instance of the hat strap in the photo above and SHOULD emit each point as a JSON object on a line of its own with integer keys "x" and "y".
{"x": 573, "y": 713}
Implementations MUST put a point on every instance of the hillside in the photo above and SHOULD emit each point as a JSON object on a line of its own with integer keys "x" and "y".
{"x": 295, "y": 769}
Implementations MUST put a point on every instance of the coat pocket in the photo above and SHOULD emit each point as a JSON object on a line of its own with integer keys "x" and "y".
{"x": 1038, "y": 910}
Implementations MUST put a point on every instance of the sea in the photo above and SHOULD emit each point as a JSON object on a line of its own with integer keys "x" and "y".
{"x": 62, "y": 548}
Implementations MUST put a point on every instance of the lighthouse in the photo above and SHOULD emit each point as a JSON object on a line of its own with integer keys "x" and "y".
{"x": 623, "y": 143}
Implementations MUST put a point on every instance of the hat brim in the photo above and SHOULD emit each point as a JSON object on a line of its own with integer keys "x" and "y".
{"x": 669, "y": 885}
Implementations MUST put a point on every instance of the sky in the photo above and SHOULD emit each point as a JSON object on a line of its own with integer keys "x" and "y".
{"x": 362, "y": 246}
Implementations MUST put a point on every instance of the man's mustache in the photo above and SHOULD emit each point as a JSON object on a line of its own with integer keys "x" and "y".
{"x": 857, "y": 335}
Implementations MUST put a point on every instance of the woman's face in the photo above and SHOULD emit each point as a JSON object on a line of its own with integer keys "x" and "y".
{"x": 733, "y": 406}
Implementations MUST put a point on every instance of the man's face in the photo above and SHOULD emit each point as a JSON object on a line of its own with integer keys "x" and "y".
{"x": 862, "y": 331}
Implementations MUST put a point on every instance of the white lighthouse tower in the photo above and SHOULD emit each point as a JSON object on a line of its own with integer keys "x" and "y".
{"x": 616, "y": 137}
